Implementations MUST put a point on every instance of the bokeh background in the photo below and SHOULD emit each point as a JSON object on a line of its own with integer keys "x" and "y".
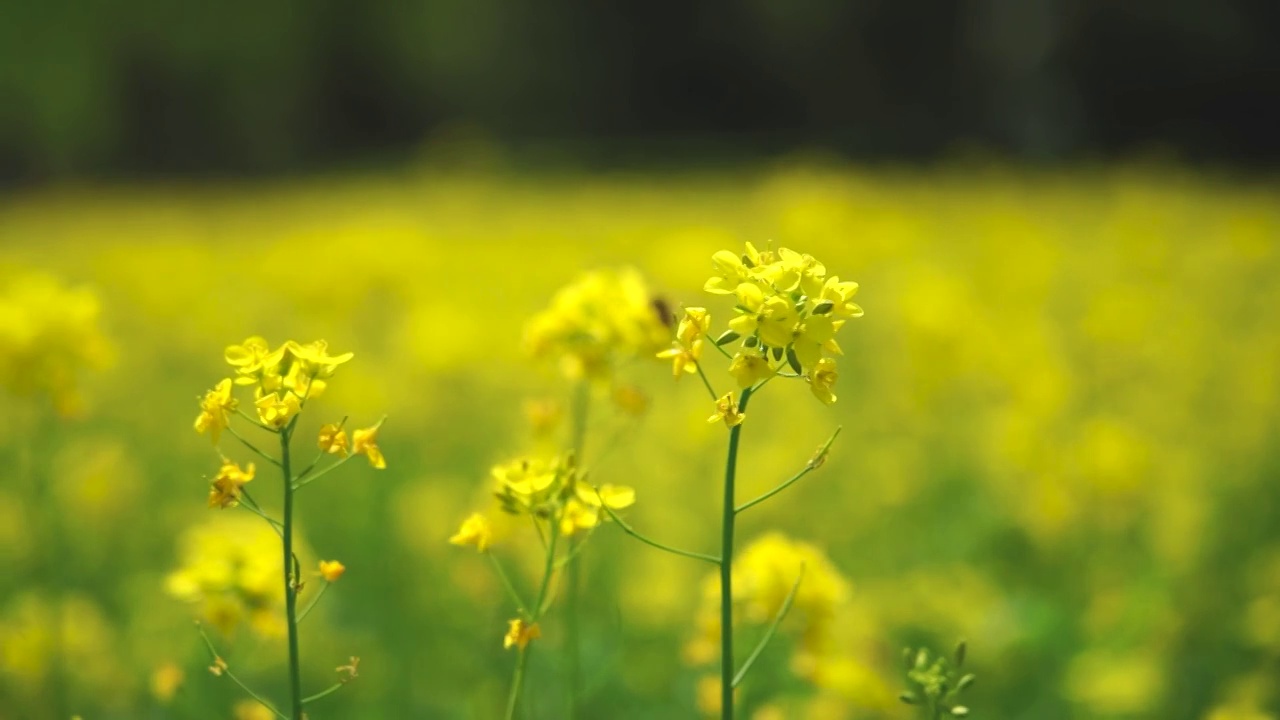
{"x": 1059, "y": 412}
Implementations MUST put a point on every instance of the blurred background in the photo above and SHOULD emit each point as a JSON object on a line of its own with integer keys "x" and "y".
{"x": 1060, "y": 412}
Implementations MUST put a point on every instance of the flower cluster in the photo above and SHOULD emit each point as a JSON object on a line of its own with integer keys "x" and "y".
{"x": 601, "y": 318}
{"x": 49, "y": 334}
{"x": 283, "y": 380}
{"x": 765, "y": 574}
{"x": 230, "y": 568}
{"x": 787, "y": 314}
{"x": 554, "y": 489}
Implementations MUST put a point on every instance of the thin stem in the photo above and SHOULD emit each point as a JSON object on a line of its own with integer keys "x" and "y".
{"x": 506, "y": 583}
{"x": 814, "y": 463}
{"x": 728, "y": 515}
{"x": 290, "y": 589}
{"x": 773, "y": 628}
{"x": 227, "y": 671}
{"x": 253, "y": 447}
{"x": 323, "y": 693}
{"x": 248, "y": 503}
{"x": 654, "y": 543}
{"x": 578, "y": 435}
{"x": 303, "y": 483}
{"x": 717, "y": 346}
{"x": 517, "y": 680}
{"x": 705, "y": 382}
{"x": 314, "y": 601}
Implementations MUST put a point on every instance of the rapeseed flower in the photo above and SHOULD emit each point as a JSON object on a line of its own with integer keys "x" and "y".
{"x": 215, "y": 410}
{"x": 365, "y": 442}
{"x": 727, "y": 410}
{"x": 520, "y": 633}
{"x": 331, "y": 570}
{"x": 333, "y": 439}
{"x": 475, "y": 531}
{"x": 226, "y": 487}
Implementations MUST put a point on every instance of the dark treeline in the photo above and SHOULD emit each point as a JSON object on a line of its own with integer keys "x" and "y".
{"x": 146, "y": 87}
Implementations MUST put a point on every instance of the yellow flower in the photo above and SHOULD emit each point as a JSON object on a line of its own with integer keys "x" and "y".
{"x": 314, "y": 358}
{"x": 276, "y": 410}
{"x": 333, "y": 439}
{"x": 526, "y": 480}
{"x": 823, "y": 379}
{"x": 630, "y": 399}
{"x": 165, "y": 681}
{"x": 839, "y": 294}
{"x": 582, "y": 511}
{"x": 773, "y": 317}
{"x": 253, "y": 710}
{"x": 252, "y": 359}
{"x": 365, "y": 442}
{"x": 815, "y": 334}
{"x": 331, "y": 570}
{"x": 687, "y": 348}
{"x": 215, "y": 410}
{"x": 520, "y": 633}
{"x": 727, "y": 410}
{"x": 749, "y": 367}
{"x": 475, "y": 531}
{"x": 226, "y": 487}
{"x": 732, "y": 272}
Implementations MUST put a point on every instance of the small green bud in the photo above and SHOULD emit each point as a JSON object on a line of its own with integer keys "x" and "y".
{"x": 726, "y": 337}
{"x": 960, "y": 711}
{"x": 965, "y": 682}
{"x": 751, "y": 341}
{"x": 908, "y": 698}
{"x": 824, "y": 307}
{"x": 961, "y": 648}
{"x": 746, "y": 260}
{"x": 776, "y": 353}
{"x": 922, "y": 659}
{"x": 793, "y": 360}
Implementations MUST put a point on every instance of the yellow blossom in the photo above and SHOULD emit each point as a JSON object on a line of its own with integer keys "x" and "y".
{"x": 475, "y": 531}
{"x": 215, "y": 410}
{"x": 749, "y": 367}
{"x": 226, "y": 487}
{"x": 333, "y": 439}
{"x": 520, "y": 633}
{"x": 695, "y": 323}
{"x": 277, "y": 409}
{"x": 686, "y": 350}
{"x": 331, "y": 570}
{"x": 365, "y": 442}
{"x": 165, "y": 681}
{"x": 253, "y": 710}
{"x": 815, "y": 334}
{"x": 823, "y": 379}
{"x": 526, "y": 483}
{"x": 683, "y": 360}
{"x": 727, "y": 410}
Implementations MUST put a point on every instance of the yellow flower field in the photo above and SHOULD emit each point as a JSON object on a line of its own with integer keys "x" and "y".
{"x": 1058, "y": 401}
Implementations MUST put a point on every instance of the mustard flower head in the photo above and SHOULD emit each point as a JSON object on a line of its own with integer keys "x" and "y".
{"x": 727, "y": 410}
{"x": 475, "y": 531}
{"x": 284, "y": 377}
{"x": 215, "y": 410}
{"x": 686, "y": 350}
{"x": 331, "y": 570}
{"x": 49, "y": 336}
{"x": 554, "y": 489}
{"x": 520, "y": 634}
{"x": 787, "y": 314}
{"x": 225, "y": 490}
{"x": 365, "y": 442}
{"x": 229, "y": 569}
{"x": 333, "y": 439}
{"x": 601, "y": 318}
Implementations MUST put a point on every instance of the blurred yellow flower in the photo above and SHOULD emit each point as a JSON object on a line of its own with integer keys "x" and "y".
{"x": 253, "y": 710}
{"x": 226, "y": 487}
{"x": 475, "y": 531}
{"x": 229, "y": 568}
{"x": 630, "y": 400}
{"x": 749, "y": 367}
{"x": 727, "y": 410}
{"x": 331, "y": 570}
{"x": 333, "y": 439}
{"x": 215, "y": 410}
{"x": 365, "y": 442}
{"x": 520, "y": 634}
{"x": 165, "y": 681}
{"x": 600, "y": 318}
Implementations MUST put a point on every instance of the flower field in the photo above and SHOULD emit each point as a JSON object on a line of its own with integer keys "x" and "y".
{"x": 1057, "y": 399}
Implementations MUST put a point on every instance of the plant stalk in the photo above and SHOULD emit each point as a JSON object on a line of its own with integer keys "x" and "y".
{"x": 290, "y": 587}
{"x": 728, "y": 516}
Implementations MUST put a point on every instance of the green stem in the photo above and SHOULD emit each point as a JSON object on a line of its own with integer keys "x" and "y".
{"x": 290, "y": 589}
{"x": 253, "y": 447}
{"x": 773, "y": 628}
{"x": 311, "y": 605}
{"x": 654, "y": 543}
{"x": 513, "y": 699}
{"x": 581, "y": 408}
{"x": 227, "y": 671}
{"x": 506, "y": 583}
{"x": 303, "y": 483}
{"x": 728, "y": 515}
{"x": 705, "y": 382}
{"x": 814, "y": 463}
{"x": 323, "y": 693}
